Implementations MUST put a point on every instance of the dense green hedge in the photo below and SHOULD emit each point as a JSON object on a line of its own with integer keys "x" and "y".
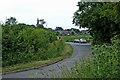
{"x": 24, "y": 44}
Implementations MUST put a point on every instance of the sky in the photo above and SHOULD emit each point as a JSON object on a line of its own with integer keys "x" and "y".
{"x": 54, "y": 12}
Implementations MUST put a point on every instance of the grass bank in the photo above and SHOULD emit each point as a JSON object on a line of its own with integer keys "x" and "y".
{"x": 66, "y": 53}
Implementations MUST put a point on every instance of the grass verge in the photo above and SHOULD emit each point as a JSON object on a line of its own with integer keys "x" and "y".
{"x": 66, "y": 53}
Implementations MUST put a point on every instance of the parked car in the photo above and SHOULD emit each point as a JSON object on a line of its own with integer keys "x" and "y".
{"x": 76, "y": 41}
{"x": 83, "y": 41}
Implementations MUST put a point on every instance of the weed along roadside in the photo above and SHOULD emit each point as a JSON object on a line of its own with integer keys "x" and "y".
{"x": 66, "y": 53}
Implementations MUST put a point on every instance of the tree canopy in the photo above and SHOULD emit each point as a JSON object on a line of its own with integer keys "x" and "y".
{"x": 102, "y": 19}
{"x": 41, "y": 24}
{"x": 75, "y": 30}
{"x": 11, "y": 21}
{"x": 59, "y": 28}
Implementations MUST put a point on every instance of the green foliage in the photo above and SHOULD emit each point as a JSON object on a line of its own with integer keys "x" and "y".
{"x": 111, "y": 11}
{"x": 22, "y": 44}
{"x": 101, "y": 19}
{"x": 75, "y": 30}
{"x": 103, "y": 63}
{"x": 59, "y": 28}
{"x": 11, "y": 21}
{"x": 57, "y": 33}
{"x": 49, "y": 29}
{"x": 72, "y": 33}
{"x": 42, "y": 22}
{"x": 40, "y": 26}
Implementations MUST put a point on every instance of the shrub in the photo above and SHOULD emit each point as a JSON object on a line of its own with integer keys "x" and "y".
{"x": 25, "y": 44}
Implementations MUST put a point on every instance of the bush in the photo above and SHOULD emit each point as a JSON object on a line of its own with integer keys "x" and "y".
{"x": 22, "y": 45}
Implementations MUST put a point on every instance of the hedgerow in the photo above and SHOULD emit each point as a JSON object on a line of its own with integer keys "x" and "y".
{"x": 22, "y": 44}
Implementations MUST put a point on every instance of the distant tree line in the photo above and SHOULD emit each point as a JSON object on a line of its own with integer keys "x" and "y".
{"x": 57, "y": 29}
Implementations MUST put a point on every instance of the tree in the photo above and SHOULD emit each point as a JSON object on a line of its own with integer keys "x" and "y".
{"x": 11, "y": 21}
{"x": 90, "y": 15}
{"x": 68, "y": 29}
{"x": 76, "y": 30}
{"x": 41, "y": 24}
{"x": 57, "y": 33}
{"x": 42, "y": 21}
{"x": 112, "y": 12}
{"x": 50, "y": 29}
{"x": 73, "y": 33}
{"x": 31, "y": 26}
{"x": 59, "y": 28}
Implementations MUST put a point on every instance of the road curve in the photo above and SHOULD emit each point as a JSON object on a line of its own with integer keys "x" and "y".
{"x": 79, "y": 50}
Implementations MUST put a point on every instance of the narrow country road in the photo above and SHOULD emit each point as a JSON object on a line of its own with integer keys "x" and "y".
{"x": 80, "y": 50}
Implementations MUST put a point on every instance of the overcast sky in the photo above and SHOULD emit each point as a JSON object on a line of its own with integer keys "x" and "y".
{"x": 54, "y": 12}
